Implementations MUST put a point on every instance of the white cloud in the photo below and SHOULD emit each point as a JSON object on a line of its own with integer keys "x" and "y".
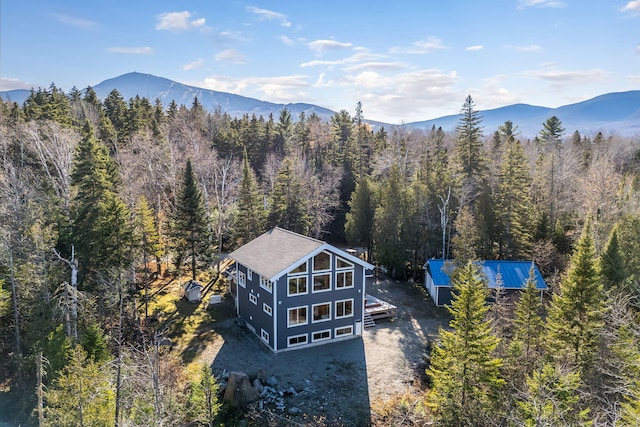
{"x": 530, "y": 48}
{"x": 12, "y": 84}
{"x": 474, "y": 48}
{"x": 377, "y": 65}
{"x": 540, "y": 3}
{"x": 361, "y": 56}
{"x": 269, "y": 15}
{"x": 178, "y": 21}
{"x": 422, "y": 46}
{"x": 286, "y": 40}
{"x": 231, "y": 55}
{"x": 322, "y": 46}
{"x": 275, "y": 89}
{"x": 632, "y": 7}
{"x": 74, "y": 21}
{"x": 193, "y": 65}
{"x": 145, "y": 50}
{"x": 634, "y": 79}
{"x": 565, "y": 78}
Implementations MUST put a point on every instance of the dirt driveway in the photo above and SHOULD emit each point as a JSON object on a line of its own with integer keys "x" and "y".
{"x": 338, "y": 382}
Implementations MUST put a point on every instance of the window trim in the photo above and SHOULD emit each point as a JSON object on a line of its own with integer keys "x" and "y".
{"x": 344, "y": 273}
{"x": 313, "y": 320}
{"x": 253, "y": 298}
{"x": 242, "y": 279}
{"x": 264, "y": 335}
{"x": 314, "y": 339}
{"x": 340, "y": 259}
{"x": 266, "y": 284}
{"x": 289, "y": 310}
{"x": 289, "y": 338}
{"x": 337, "y": 335}
{"x": 313, "y": 262}
{"x": 289, "y": 294}
{"x": 267, "y": 309}
{"x": 344, "y": 316}
{"x": 249, "y": 274}
{"x": 329, "y": 275}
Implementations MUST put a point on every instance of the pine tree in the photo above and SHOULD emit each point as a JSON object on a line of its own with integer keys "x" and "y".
{"x": 513, "y": 207}
{"x": 250, "y": 216}
{"x": 470, "y": 157}
{"x": 528, "y": 325}
{"x": 611, "y": 262}
{"x": 203, "y": 400}
{"x": 389, "y": 247}
{"x": 464, "y": 370}
{"x": 575, "y": 313}
{"x": 286, "y": 202}
{"x": 360, "y": 219}
{"x": 190, "y": 229}
{"x": 466, "y": 241}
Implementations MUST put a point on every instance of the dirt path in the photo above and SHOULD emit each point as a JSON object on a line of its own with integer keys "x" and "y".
{"x": 338, "y": 382}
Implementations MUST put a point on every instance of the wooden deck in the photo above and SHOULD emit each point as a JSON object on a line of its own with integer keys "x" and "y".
{"x": 375, "y": 309}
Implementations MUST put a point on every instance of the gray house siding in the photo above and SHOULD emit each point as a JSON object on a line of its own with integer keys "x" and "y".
{"x": 251, "y": 300}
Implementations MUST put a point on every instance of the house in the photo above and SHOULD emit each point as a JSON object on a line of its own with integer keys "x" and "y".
{"x": 514, "y": 275}
{"x": 192, "y": 290}
{"x": 294, "y": 291}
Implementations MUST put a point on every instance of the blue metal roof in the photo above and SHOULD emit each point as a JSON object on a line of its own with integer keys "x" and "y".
{"x": 514, "y": 273}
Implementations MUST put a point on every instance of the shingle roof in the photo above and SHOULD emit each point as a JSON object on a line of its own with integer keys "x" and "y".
{"x": 514, "y": 273}
{"x": 275, "y": 251}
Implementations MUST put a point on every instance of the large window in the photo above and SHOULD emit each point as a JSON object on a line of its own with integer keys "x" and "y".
{"x": 302, "y": 268}
{"x": 321, "y": 282}
{"x": 322, "y": 262}
{"x": 297, "y": 316}
{"x": 297, "y": 340}
{"x": 321, "y": 312}
{"x": 344, "y": 279}
{"x": 344, "y": 308}
{"x": 297, "y": 285}
{"x": 340, "y": 263}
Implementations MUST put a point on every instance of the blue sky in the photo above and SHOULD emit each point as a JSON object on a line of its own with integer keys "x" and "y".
{"x": 404, "y": 60}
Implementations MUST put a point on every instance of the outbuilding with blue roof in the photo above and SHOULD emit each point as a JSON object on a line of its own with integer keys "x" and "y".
{"x": 513, "y": 274}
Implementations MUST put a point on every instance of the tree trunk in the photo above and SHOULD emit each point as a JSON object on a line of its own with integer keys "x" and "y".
{"x": 16, "y": 309}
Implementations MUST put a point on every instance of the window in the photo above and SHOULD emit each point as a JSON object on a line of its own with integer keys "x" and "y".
{"x": 297, "y": 340}
{"x": 321, "y": 282}
{"x": 297, "y": 285}
{"x": 249, "y": 274}
{"x": 344, "y": 308}
{"x": 253, "y": 299}
{"x": 264, "y": 335}
{"x": 267, "y": 309}
{"x": 242, "y": 279}
{"x": 347, "y": 330}
{"x": 266, "y": 284}
{"x": 344, "y": 279}
{"x": 321, "y": 312}
{"x": 322, "y": 261}
{"x": 297, "y": 316}
{"x": 321, "y": 335}
{"x": 340, "y": 263}
{"x": 302, "y": 268}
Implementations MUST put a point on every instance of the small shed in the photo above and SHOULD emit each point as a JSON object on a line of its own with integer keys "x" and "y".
{"x": 192, "y": 291}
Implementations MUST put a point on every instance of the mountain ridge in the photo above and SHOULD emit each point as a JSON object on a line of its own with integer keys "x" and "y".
{"x": 615, "y": 112}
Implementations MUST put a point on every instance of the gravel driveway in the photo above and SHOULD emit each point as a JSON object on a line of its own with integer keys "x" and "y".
{"x": 337, "y": 382}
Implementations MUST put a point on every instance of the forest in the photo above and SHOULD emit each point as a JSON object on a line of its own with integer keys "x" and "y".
{"x": 97, "y": 197}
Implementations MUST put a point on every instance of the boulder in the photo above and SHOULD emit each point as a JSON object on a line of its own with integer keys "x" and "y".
{"x": 239, "y": 391}
{"x": 257, "y": 385}
{"x": 272, "y": 381}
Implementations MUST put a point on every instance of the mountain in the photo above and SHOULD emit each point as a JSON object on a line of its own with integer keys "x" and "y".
{"x": 617, "y": 113}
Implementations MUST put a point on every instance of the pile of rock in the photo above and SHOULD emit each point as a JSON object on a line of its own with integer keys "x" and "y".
{"x": 239, "y": 390}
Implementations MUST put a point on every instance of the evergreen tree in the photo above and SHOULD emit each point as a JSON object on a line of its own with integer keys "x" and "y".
{"x": 611, "y": 262}
{"x": 552, "y": 131}
{"x": 528, "y": 325}
{"x": 575, "y": 313}
{"x": 389, "y": 246}
{"x": 203, "y": 400}
{"x": 470, "y": 157}
{"x": 465, "y": 243}
{"x": 250, "y": 215}
{"x": 361, "y": 216}
{"x": 190, "y": 229}
{"x": 286, "y": 201}
{"x": 464, "y": 370}
{"x": 513, "y": 207}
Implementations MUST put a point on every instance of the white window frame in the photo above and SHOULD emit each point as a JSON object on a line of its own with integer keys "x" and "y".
{"x": 249, "y": 274}
{"x": 344, "y": 315}
{"x": 340, "y": 259}
{"x": 267, "y": 309}
{"x": 338, "y": 334}
{"x": 325, "y": 331}
{"x": 289, "y": 294}
{"x": 313, "y": 262}
{"x": 253, "y": 298}
{"x": 344, "y": 273}
{"x": 329, "y": 275}
{"x": 313, "y": 320}
{"x": 266, "y": 284}
{"x": 264, "y": 335}
{"x": 306, "y": 269}
{"x": 306, "y": 322}
{"x": 242, "y": 279}
{"x": 306, "y": 340}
